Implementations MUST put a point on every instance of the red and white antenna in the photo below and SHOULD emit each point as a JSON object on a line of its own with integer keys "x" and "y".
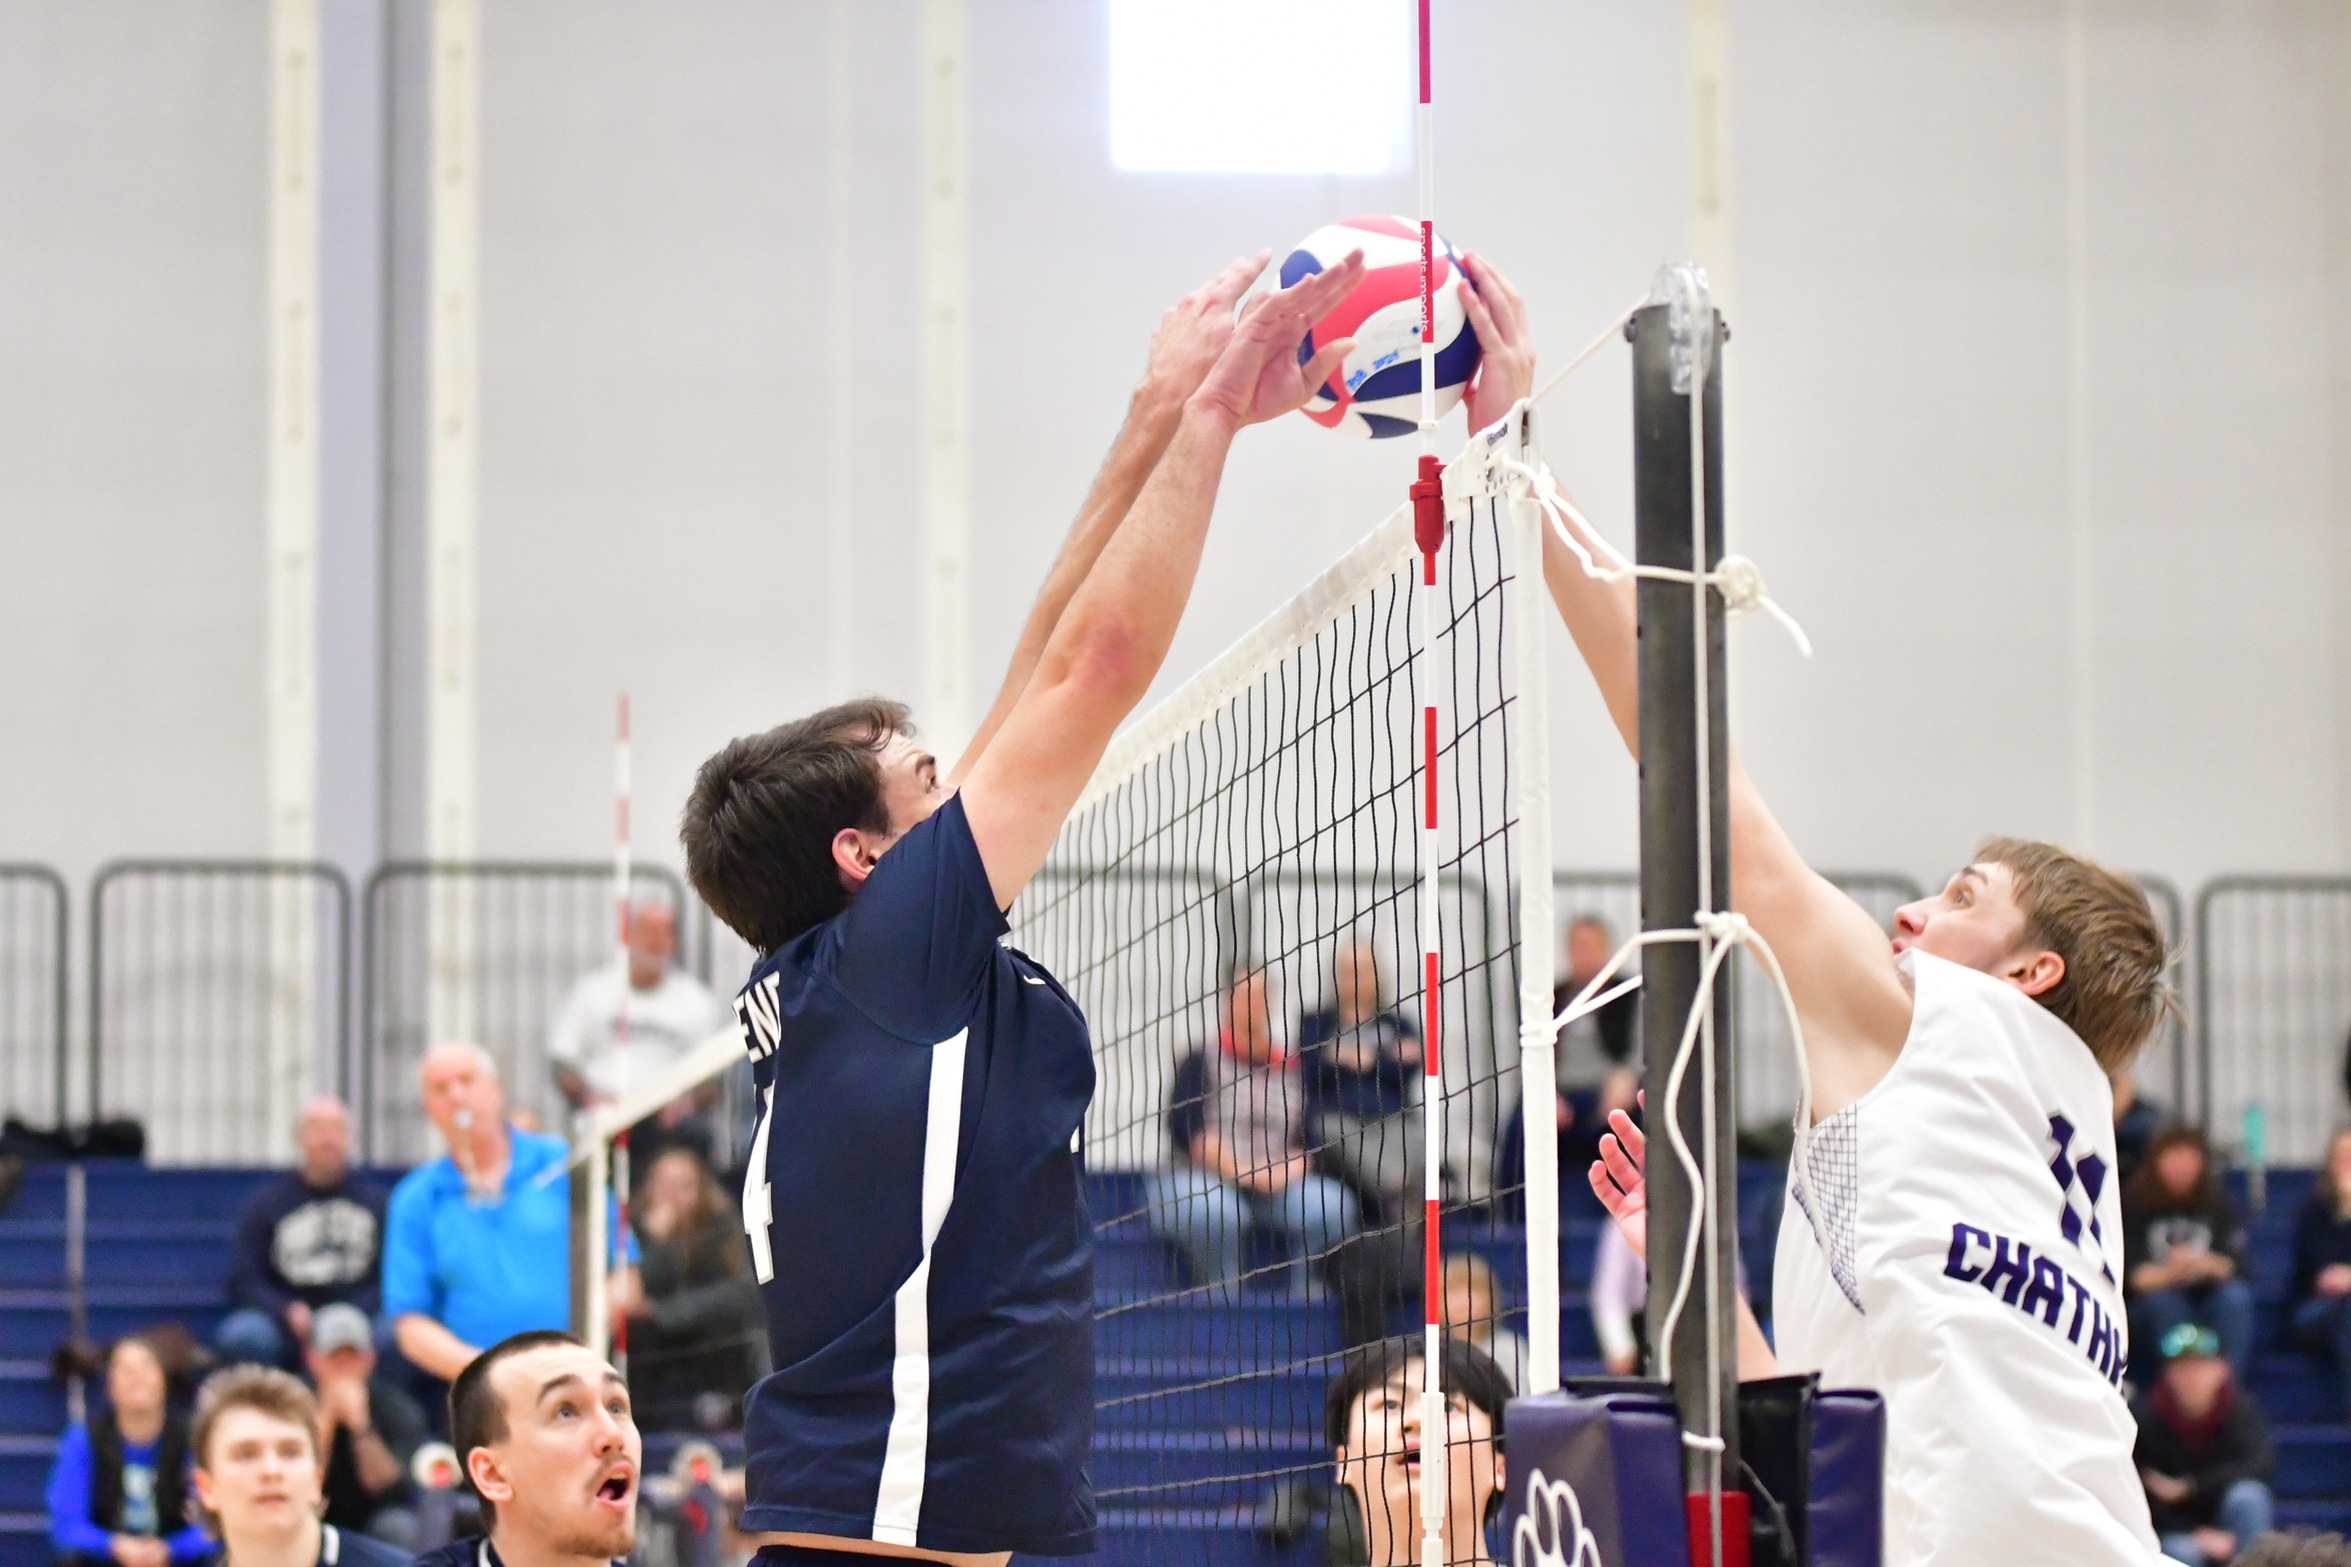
{"x": 1428, "y": 526}
{"x": 622, "y": 874}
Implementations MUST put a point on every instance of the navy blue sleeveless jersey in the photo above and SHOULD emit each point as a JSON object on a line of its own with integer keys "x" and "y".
{"x": 917, "y": 1224}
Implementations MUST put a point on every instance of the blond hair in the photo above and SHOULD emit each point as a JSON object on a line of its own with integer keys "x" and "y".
{"x": 2113, "y": 993}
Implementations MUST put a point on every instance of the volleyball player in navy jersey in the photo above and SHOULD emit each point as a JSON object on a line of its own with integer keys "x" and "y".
{"x": 913, "y": 1203}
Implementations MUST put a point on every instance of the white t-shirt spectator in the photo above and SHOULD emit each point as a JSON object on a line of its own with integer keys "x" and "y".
{"x": 664, "y": 1023}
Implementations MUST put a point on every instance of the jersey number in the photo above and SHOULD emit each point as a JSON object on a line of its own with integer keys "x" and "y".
{"x": 759, "y": 1214}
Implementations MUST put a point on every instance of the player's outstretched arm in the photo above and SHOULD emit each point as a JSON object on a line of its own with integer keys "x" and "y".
{"x": 1840, "y": 968}
{"x": 1190, "y": 336}
{"x": 1106, "y": 647}
{"x": 1620, "y": 1180}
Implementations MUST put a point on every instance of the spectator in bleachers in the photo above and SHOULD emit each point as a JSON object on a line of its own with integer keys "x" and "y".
{"x": 669, "y": 1012}
{"x": 258, "y": 1480}
{"x": 1620, "y": 1291}
{"x": 1473, "y": 1314}
{"x": 544, "y": 1432}
{"x": 1359, "y": 1060}
{"x": 310, "y": 1238}
{"x": 696, "y": 1337}
{"x": 2203, "y": 1452}
{"x": 1236, "y": 1117}
{"x": 369, "y": 1428}
{"x": 1597, "y": 1069}
{"x": 2297, "y": 1548}
{"x": 118, "y": 1492}
{"x": 2137, "y": 1119}
{"x": 1371, "y": 1413}
{"x": 1598, "y": 1056}
{"x": 2184, "y": 1257}
{"x": 478, "y": 1244}
{"x": 2319, "y": 1304}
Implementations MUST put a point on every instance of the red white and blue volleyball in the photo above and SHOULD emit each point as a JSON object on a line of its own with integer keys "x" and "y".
{"x": 1376, "y": 391}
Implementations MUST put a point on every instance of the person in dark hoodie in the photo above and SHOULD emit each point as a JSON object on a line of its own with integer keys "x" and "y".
{"x": 2318, "y": 1305}
{"x": 118, "y": 1494}
{"x": 2203, "y": 1452}
{"x": 313, "y": 1237}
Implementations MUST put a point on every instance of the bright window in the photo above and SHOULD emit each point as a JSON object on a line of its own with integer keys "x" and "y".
{"x": 1261, "y": 86}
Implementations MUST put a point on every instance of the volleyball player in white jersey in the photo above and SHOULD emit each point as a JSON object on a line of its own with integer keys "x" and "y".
{"x": 1953, "y": 1235}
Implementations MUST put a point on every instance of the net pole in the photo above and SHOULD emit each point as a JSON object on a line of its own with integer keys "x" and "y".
{"x": 1530, "y": 761}
{"x": 1428, "y": 506}
{"x": 623, "y": 869}
{"x": 1685, "y": 872}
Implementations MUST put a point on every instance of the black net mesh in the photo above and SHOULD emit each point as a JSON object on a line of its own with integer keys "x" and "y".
{"x": 1238, "y": 915}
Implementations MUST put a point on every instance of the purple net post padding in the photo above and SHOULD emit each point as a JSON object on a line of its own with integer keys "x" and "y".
{"x": 1595, "y": 1481}
{"x": 1846, "y": 1497}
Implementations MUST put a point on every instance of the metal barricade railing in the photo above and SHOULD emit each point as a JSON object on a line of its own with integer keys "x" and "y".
{"x": 34, "y": 1068}
{"x": 1767, "y": 1068}
{"x": 2273, "y": 1002}
{"x": 484, "y": 951}
{"x": 219, "y": 1001}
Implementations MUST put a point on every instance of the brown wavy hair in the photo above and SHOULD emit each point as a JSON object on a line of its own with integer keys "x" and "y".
{"x": 2114, "y": 993}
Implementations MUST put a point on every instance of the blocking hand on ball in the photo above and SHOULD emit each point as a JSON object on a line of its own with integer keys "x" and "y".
{"x": 1258, "y": 376}
{"x": 1506, "y": 348}
{"x": 1193, "y": 334}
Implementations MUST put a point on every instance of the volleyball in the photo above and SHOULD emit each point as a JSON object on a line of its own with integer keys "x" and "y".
{"x": 1376, "y": 390}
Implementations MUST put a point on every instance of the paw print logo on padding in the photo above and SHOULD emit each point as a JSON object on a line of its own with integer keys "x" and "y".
{"x": 1551, "y": 1532}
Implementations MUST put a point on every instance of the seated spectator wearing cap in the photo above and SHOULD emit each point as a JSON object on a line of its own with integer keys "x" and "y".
{"x": 544, "y": 1432}
{"x": 119, "y": 1490}
{"x": 2318, "y": 1304}
{"x": 2203, "y": 1452}
{"x": 310, "y": 1238}
{"x": 1371, "y": 1413}
{"x": 257, "y": 1475}
{"x": 368, "y": 1430}
{"x": 2298, "y": 1548}
{"x": 478, "y": 1246}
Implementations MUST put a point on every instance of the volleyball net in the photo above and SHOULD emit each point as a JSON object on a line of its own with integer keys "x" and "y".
{"x": 1241, "y": 904}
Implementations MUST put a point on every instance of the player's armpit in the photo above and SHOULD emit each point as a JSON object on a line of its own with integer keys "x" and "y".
{"x": 1839, "y": 965}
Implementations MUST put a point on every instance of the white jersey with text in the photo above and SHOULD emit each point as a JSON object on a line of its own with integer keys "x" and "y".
{"x": 1955, "y": 1243}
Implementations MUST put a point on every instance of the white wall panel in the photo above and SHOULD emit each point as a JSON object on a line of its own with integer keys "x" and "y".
{"x": 133, "y": 156}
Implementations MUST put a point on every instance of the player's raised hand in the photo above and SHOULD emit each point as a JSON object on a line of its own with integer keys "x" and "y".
{"x": 1258, "y": 376}
{"x": 1195, "y": 330}
{"x": 1620, "y": 1180}
{"x": 1506, "y": 348}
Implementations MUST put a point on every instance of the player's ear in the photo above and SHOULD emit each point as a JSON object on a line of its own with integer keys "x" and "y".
{"x": 2036, "y": 972}
{"x": 489, "y": 1481}
{"x": 853, "y": 858}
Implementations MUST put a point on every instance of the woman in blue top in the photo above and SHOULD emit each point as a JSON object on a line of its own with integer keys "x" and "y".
{"x": 119, "y": 1492}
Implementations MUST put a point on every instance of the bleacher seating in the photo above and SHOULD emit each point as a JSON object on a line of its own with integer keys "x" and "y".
{"x": 158, "y": 1248}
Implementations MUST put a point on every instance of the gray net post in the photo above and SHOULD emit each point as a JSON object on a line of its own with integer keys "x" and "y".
{"x": 1675, "y": 340}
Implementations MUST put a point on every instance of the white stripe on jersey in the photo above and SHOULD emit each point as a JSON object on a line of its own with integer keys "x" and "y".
{"x": 897, "y": 1511}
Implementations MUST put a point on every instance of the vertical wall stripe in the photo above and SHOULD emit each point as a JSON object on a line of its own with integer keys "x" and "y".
{"x": 1708, "y": 62}
{"x": 840, "y": 275}
{"x": 897, "y": 1512}
{"x": 292, "y": 337}
{"x": 2077, "y": 376}
{"x": 945, "y": 714}
{"x": 453, "y": 385}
